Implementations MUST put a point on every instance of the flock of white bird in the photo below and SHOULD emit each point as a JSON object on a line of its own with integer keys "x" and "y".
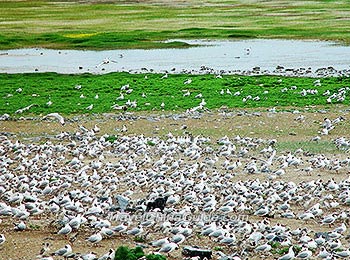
{"x": 228, "y": 192}
{"x": 123, "y": 101}
{"x": 82, "y": 183}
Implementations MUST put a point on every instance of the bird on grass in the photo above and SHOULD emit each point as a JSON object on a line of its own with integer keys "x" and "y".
{"x": 56, "y": 116}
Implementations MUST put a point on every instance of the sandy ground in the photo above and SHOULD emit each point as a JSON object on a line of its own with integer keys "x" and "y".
{"x": 282, "y": 125}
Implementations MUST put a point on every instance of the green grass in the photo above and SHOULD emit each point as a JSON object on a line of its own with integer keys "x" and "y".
{"x": 137, "y": 24}
{"x": 60, "y": 89}
{"x": 312, "y": 147}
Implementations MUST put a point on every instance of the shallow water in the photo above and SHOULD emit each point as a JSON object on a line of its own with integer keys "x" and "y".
{"x": 218, "y": 55}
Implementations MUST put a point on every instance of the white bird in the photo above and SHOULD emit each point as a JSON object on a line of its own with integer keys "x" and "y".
{"x": 89, "y": 107}
{"x": 20, "y": 226}
{"x": 96, "y": 129}
{"x": 341, "y": 229}
{"x": 263, "y": 248}
{"x": 124, "y": 129}
{"x": 120, "y": 228}
{"x": 121, "y": 96}
{"x": 343, "y": 254}
{"x": 228, "y": 240}
{"x": 160, "y": 242}
{"x": 65, "y": 230}
{"x": 95, "y": 238}
{"x": 45, "y": 249}
{"x": 178, "y": 238}
{"x": 304, "y": 254}
{"x": 290, "y": 255}
{"x": 136, "y": 231}
{"x": 2, "y": 239}
{"x": 323, "y": 254}
{"x": 56, "y": 116}
{"x": 64, "y": 251}
{"x": 107, "y": 232}
{"x": 168, "y": 247}
{"x": 188, "y": 81}
{"x": 110, "y": 255}
{"x": 21, "y": 110}
{"x": 106, "y": 61}
{"x": 89, "y": 256}
{"x": 328, "y": 220}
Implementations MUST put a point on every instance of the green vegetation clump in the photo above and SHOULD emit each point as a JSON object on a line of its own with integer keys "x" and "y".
{"x": 277, "y": 248}
{"x": 111, "y": 138}
{"x": 139, "y": 239}
{"x": 125, "y": 253}
{"x": 51, "y": 92}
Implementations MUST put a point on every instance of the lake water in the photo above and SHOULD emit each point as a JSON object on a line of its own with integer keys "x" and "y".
{"x": 218, "y": 55}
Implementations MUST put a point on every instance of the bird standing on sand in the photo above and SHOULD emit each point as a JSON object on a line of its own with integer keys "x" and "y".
{"x": 95, "y": 238}
{"x": 168, "y": 247}
{"x": 44, "y": 249}
{"x": 65, "y": 230}
{"x": 110, "y": 255}
{"x": 2, "y": 239}
{"x": 64, "y": 251}
{"x": 57, "y": 116}
{"x": 20, "y": 226}
{"x": 304, "y": 254}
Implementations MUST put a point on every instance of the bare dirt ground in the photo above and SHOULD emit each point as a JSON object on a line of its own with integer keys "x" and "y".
{"x": 281, "y": 126}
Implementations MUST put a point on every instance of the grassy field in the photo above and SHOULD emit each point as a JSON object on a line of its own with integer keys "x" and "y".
{"x": 73, "y": 94}
{"x": 140, "y": 24}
